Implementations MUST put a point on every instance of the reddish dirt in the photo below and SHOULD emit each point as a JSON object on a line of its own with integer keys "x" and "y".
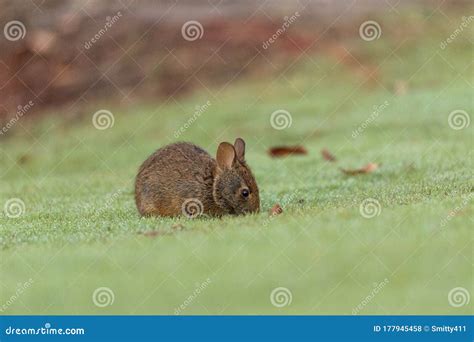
{"x": 131, "y": 61}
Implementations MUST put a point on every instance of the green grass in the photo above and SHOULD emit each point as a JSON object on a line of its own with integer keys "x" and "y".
{"x": 80, "y": 229}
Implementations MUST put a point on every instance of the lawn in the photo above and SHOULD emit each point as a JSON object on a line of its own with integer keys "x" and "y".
{"x": 80, "y": 230}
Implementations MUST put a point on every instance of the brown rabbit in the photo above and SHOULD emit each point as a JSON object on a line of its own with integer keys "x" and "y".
{"x": 182, "y": 178}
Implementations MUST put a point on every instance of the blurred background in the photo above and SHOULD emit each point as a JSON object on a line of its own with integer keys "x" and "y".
{"x": 63, "y": 55}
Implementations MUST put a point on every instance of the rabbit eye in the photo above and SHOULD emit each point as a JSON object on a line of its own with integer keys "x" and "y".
{"x": 245, "y": 193}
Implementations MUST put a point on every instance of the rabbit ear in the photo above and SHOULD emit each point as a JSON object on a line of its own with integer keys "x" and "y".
{"x": 239, "y": 146}
{"x": 225, "y": 155}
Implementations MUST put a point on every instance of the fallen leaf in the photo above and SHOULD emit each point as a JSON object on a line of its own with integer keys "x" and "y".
{"x": 151, "y": 233}
{"x": 369, "y": 168}
{"x": 25, "y": 158}
{"x": 400, "y": 87}
{"x": 177, "y": 226}
{"x": 154, "y": 233}
{"x": 328, "y": 155}
{"x": 276, "y": 210}
{"x": 281, "y": 151}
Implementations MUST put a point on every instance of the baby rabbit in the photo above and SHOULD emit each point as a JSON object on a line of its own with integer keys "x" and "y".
{"x": 182, "y": 178}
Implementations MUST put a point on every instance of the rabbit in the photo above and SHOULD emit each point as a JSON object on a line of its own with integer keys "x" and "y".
{"x": 182, "y": 178}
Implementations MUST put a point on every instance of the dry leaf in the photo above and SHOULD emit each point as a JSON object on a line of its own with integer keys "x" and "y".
{"x": 25, "y": 158}
{"x": 151, "y": 233}
{"x": 154, "y": 233}
{"x": 369, "y": 168}
{"x": 328, "y": 155}
{"x": 276, "y": 210}
{"x": 177, "y": 226}
{"x": 281, "y": 151}
{"x": 400, "y": 87}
